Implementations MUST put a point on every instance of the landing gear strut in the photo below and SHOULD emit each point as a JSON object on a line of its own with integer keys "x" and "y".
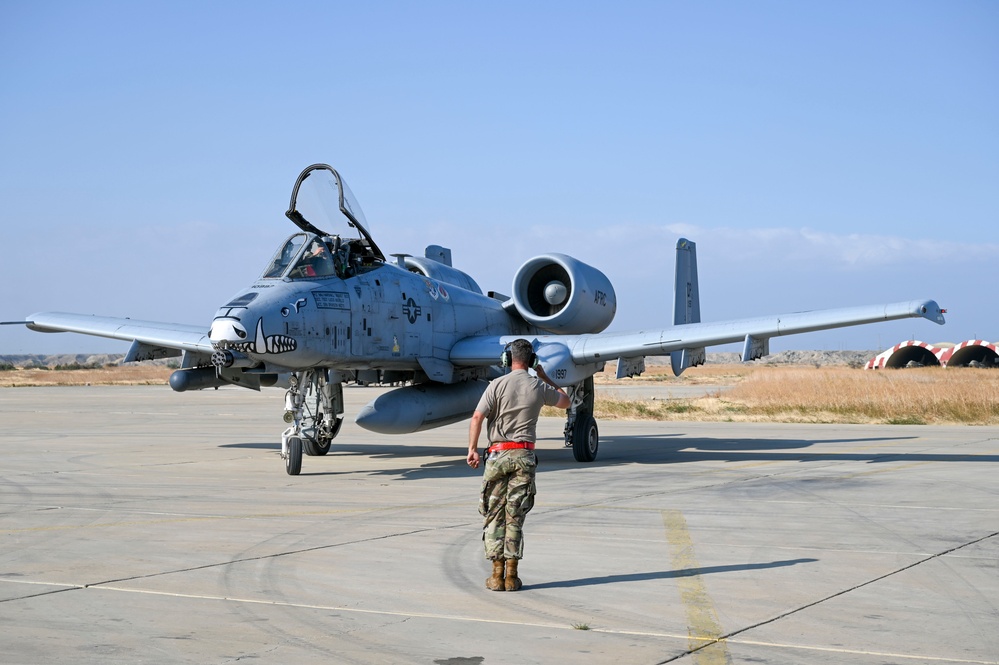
{"x": 314, "y": 409}
{"x": 580, "y": 426}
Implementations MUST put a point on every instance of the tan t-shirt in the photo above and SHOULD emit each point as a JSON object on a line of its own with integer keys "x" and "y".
{"x": 511, "y": 405}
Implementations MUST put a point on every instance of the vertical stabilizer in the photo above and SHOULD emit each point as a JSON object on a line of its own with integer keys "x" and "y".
{"x": 686, "y": 303}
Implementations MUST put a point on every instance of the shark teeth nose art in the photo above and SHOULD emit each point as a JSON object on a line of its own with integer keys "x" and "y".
{"x": 262, "y": 343}
{"x": 272, "y": 343}
{"x": 280, "y": 344}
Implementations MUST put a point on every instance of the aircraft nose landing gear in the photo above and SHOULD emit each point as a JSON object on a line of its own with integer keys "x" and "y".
{"x": 291, "y": 451}
{"x": 314, "y": 408}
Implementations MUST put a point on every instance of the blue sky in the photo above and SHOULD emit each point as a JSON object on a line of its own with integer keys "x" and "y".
{"x": 820, "y": 154}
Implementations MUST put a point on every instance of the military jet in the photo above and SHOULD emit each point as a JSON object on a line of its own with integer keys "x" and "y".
{"x": 330, "y": 309}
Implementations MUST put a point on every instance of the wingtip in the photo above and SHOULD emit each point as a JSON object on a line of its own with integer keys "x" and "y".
{"x": 932, "y": 311}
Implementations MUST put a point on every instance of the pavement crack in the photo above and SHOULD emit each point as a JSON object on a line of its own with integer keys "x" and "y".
{"x": 734, "y": 633}
{"x": 39, "y": 595}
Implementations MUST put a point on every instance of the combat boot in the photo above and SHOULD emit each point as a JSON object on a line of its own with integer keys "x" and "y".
{"x": 512, "y": 582}
{"x": 495, "y": 583}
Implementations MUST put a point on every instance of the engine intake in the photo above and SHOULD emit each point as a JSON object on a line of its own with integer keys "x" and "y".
{"x": 560, "y": 294}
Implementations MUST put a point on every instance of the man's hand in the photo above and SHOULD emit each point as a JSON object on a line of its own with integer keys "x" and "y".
{"x": 474, "y": 429}
{"x": 543, "y": 375}
{"x": 563, "y": 399}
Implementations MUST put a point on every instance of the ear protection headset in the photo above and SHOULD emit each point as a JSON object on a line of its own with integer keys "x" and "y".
{"x": 506, "y": 358}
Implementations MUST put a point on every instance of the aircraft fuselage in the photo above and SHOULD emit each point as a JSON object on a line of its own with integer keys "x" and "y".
{"x": 382, "y": 318}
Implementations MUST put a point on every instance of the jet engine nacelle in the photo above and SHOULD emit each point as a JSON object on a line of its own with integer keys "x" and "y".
{"x": 560, "y": 294}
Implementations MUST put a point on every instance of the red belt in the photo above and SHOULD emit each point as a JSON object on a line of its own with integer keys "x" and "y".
{"x": 510, "y": 445}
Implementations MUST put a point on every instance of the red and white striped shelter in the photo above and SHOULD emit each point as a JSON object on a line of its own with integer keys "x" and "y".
{"x": 903, "y": 354}
{"x": 973, "y": 352}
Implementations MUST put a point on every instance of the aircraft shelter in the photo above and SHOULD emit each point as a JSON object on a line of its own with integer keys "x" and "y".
{"x": 913, "y": 353}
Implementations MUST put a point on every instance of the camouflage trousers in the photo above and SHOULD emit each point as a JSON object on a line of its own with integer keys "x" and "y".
{"x": 507, "y": 496}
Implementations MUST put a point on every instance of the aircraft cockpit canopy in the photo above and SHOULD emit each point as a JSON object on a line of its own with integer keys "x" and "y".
{"x": 320, "y": 203}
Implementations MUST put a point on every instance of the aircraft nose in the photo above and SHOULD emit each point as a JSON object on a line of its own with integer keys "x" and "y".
{"x": 230, "y": 334}
{"x": 227, "y": 330}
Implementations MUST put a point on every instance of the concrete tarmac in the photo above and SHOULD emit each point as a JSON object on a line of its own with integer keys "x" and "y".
{"x": 138, "y": 525}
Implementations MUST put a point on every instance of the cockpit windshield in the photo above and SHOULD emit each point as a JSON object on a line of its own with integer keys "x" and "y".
{"x": 316, "y": 261}
{"x": 305, "y": 256}
{"x": 284, "y": 256}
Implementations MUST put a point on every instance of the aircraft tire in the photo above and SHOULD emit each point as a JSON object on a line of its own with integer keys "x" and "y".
{"x": 293, "y": 463}
{"x": 314, "y": 447}
{"x": 585, "y": 439}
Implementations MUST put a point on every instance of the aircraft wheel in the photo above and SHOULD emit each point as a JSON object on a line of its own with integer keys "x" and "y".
{"x": 293, "y": 463}
{"x": 316, "y": 447}
{"x": 585, "y": 439}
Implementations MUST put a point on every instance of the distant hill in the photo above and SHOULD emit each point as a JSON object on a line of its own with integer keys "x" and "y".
{"x": 817, "y": 358}
{"x": 73, "y": 359}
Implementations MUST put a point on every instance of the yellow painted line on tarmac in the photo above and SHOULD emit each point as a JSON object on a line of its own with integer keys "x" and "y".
{"x": 704, "y": 631}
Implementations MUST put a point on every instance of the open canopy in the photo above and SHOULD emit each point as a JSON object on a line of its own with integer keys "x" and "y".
{"x": 320, "y": 202}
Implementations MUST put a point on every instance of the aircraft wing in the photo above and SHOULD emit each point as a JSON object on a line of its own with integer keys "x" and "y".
{"x": 755, "y": 333}
{"x": 150, "y": 339}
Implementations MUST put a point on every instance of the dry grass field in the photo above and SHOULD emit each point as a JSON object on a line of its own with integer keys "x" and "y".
{"x": 759, "y": 393}
{"x": 808, "y": 394}
{"x": 142, "y": 374}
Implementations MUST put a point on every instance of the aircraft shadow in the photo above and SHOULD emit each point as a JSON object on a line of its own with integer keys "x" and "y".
{"x": 664, "y": 574}
{"x": 452, "y": 466}
{"x": 665, "y": 449}
{"x": 678, "y": 449}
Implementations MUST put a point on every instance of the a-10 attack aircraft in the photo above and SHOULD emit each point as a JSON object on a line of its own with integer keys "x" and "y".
{"x": 331, "y": 310}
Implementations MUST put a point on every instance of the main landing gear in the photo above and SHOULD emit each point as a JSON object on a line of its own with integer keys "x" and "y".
{"x": 580, "y": 426}
{"x": 313, "y": 406}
